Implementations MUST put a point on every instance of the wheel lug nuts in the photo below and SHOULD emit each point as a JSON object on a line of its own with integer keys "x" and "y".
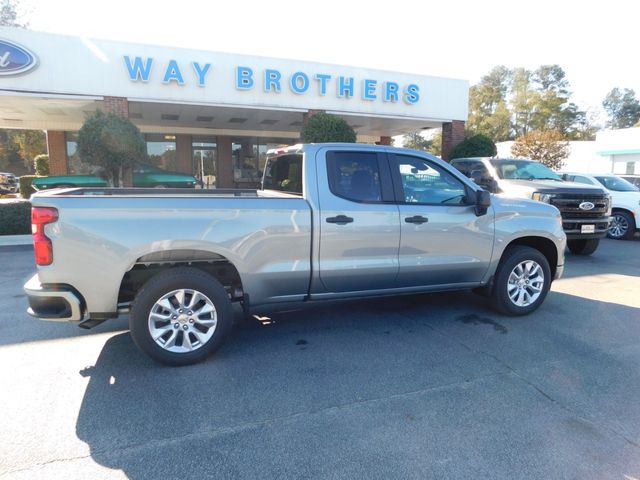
{"x": 176, "y": 325}
{"x": 180, "y": 311}
{"x": 185, "y": 327}
{"x": 191, "y": 320}
{"x": 174, "y": 317}
{"x": 189, "y": 312}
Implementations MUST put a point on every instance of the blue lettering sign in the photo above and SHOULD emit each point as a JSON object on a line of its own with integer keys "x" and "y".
{"x": 201, "y": 72}
{"x": 391, "y": 92}
{"x": 272, "y": 80}
{"x": 15, "y": 59}
{"x": 412, "y": 94}
{"x": 369, "y": 90}
{"x": 173, "y": 73}
{"x": 299, "y": 82}
{"x": 244, "y": 78}
{"x": 323, "y": 79}
{"x": 138, "y": 70}
{"x": 345, "y": 87}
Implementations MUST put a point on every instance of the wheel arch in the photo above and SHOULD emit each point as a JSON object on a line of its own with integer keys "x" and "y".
{"x": 151, "y": 264}
{"x": 544, "y": 245}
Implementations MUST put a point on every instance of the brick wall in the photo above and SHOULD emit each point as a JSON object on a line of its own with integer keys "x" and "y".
{"x": 452, "y": 135}
{"x": 57, "y": 150}
{"x": 117, "y": 105}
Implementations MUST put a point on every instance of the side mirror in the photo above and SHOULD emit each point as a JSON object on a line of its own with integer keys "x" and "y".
{"x": 483, "y": 202}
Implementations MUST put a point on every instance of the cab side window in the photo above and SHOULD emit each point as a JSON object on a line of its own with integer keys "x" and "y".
{"x": 355, "y": 176}
{"x": 427, "y": 183}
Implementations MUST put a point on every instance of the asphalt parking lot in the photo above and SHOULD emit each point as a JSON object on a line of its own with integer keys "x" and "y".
{"x": 429, "y": 386}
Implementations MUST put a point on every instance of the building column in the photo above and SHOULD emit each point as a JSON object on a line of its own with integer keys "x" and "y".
{"x": 117, "y": 105}
{"x": 57, "y": 151}
{"x": 184, "y": 153}
{"x": 224, "y": 178}
{"x": 452, "y": 135}
{"x": 384, "y": 141}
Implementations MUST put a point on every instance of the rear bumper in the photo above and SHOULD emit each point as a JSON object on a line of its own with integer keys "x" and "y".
{"x": 58, "y": 303}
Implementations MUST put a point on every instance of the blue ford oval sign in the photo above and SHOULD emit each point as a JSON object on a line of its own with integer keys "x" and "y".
{"x": 15, "y": 59}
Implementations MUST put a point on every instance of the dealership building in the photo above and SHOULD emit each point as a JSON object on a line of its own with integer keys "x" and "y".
{"x": 210, "y": 114}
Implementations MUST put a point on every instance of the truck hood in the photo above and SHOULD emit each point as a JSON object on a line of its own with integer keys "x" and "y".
{"x": 525, "y": 188}
{"x": 522, "y": 206}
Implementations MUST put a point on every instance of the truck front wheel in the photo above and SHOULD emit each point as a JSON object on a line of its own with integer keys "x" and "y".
{"x": 583, "y": 247}
{"x": 180, "y": 316}
{"x": 521, "y": 282}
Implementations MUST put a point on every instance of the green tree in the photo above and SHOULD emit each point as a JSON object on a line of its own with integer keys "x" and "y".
{"x": 113, "y": 143}
{"x": 546, "y": 146}
{"x": 416, "y": 141}
{"x": 475, "y": 146}
{"x": 9, "y": 16}
{"x": 524, "y": 98}
{"x": 622, "y": 107}
{"x": 324, "y": 127}
{"x": 488, "y": 114}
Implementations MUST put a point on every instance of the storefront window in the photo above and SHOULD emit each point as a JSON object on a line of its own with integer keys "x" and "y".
{"x": 249, "y": 155}
{"x": 205, "y": 160}
{"x": 75, "y": 166}
{"x": 161, "y": 149}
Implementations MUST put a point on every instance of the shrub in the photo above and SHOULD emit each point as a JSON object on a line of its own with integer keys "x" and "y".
{"x": 41, "y": 165}
{"x": 15, "y": 218}
{"x": 324, "y": 127}
{"x": 26, "y": 190}
{"x": 476, "y": 146}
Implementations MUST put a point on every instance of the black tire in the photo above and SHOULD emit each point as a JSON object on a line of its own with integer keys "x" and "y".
{"x": 163, "y": 284}
{"x": 583, "y": 247}
{"x": 511, "y": 258}
{"x": 623, "y": 226}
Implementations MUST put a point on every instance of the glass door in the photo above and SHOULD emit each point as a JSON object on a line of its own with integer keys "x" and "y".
{"x": 205, "y": 160}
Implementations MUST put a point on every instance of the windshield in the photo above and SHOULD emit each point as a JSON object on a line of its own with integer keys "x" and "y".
{"x": 617, "y": 184}
{"x": 523, "y": 170}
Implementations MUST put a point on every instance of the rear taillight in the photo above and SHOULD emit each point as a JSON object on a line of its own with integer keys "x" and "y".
{"x": 42, "y": 247}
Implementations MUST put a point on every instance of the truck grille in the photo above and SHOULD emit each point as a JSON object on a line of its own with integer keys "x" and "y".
{"x": 569, "y": 206}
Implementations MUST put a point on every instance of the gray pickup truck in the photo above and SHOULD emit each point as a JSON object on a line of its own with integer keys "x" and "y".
{"x": 332, "y": 221}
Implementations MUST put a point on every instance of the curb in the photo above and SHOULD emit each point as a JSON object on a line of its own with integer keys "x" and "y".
{"x": 12, "y": 240}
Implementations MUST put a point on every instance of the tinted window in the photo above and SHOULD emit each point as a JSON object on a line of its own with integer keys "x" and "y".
{"x": 354, "y": 176}
{"x": 424, "y": 182}
{"x": 284, "y": 173}
{"x": 617, "y": 184}
{"x": 581, "y": 179}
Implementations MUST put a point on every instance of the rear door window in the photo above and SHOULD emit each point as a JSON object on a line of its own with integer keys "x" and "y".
{"x": 355, "y": 176}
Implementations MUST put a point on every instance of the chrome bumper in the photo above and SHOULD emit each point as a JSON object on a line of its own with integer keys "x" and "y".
{"x": 59, "y": 303}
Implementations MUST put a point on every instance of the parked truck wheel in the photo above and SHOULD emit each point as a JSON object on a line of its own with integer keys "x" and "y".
{"x": 622, "y": 226}
{"x": 521, "y": 282}
{"x": 583, "y": 247}
{"x": 180, "y": 316}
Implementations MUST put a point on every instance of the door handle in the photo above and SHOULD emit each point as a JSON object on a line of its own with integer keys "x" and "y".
{"x": 416, "y": 219}
{"x": 340, "y": 220}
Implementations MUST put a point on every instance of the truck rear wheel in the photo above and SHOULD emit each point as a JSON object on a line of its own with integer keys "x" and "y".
{"x": 180, "y": 316}
{"x": 583, "y": 247}
{"x": 521, "y": 282}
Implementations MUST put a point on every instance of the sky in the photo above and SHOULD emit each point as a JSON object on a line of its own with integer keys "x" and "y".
{"x": 595, "y": 42}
